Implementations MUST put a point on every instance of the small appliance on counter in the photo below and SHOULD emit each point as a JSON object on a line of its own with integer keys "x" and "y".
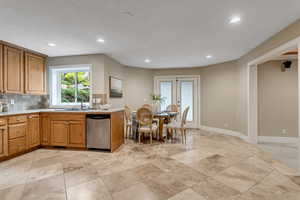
{"x": 4, "y": 105}
{"x": 105, "y": 107}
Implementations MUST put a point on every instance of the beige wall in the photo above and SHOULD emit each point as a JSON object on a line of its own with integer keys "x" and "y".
{"x": 287, "y": 34}
{"x": 219, "y": 89}
{"x": 277, "y": 100}
{"x": 138, "y": 86}
{"x": 115, "y": 69}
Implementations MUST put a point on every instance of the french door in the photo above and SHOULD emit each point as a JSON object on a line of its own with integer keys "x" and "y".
{"x": 182, "y": 91}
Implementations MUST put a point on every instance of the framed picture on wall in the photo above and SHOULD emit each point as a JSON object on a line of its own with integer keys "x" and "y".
{"x": 115, "y": 87}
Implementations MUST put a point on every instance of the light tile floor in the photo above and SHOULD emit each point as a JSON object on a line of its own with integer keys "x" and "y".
{"x": 288, "y": 154}
{"x": 209, "y": 167}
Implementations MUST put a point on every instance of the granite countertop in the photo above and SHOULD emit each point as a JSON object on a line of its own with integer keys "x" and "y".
{"x": 88, "y": 111}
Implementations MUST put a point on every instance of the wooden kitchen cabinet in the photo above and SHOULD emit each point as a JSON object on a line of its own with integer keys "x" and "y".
{"x": 33, "y": 133}
{"x": 59, "y": 133}
{"x": 17, "y": 132}
{"x": 67, "y": 130}
{"x": 45, "y": 129}
{"x": 76, "y": 134}
{"x": 117, "y": 130}
{"x": 34, "y": 74}
{"x": 13, "y": 70}
{"x": 3, "y": 141}
{"x": 1, "y": 69}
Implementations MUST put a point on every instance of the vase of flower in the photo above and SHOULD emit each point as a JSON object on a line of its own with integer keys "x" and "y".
{"x": 157, "y": 100}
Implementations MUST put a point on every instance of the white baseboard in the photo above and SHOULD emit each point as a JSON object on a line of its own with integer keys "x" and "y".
{"x": 281, "y": 140}
{"x": 225, "y": 132}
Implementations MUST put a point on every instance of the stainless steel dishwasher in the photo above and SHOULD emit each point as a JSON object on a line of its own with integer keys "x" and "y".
{"x": 98, "y": 131}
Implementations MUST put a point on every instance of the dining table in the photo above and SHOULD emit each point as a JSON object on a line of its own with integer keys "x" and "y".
{"x": 163, "y": 118}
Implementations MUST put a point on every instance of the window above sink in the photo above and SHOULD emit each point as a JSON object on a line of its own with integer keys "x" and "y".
{"x": 70, "y": 85}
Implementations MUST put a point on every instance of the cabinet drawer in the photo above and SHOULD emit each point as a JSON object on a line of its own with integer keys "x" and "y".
{"x": 3, "y": 121}
{"x": 16, "y": 130}
{"x": 17, "y": 119}
{"x": 16, "y": 145}
{"x": 67, "y": 117}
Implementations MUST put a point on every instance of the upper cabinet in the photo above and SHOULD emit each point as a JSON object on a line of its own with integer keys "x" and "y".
{"x": 1, "y": 69}
{"x": 13, "y": 70}
{"x": 34, "y": 74}
{"x": 21, "y": 70}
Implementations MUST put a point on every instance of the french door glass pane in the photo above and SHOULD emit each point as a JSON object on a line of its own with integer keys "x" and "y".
{"x": 166, "y": 93}
{"x": 186, "y": 90}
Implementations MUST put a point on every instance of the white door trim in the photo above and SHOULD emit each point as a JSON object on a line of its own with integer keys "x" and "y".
{"x": 172, "y": 77}
{"x": 252, "y": 89}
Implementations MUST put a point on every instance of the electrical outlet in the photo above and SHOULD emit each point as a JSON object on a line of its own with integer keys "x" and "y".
{"x": 283, "y": 131}
{"x": 12, "y": 101}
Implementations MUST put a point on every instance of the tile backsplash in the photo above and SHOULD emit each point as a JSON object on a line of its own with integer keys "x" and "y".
{"x": 25, "y": 101}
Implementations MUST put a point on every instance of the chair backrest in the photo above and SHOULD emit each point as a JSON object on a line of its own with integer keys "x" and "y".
{"x": 127, "y": 113}
{"x": 172, "y": 108}
{"x": 144, "y": 116}
{"x": 184, "y": 115}
{"x": 147, "y": 106}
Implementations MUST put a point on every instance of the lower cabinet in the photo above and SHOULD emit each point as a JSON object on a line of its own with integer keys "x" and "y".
{"x": 69, "y": 132}
{"x": 59, "y": 133}
{"x": 33, "y": 133}
{"x": 76, "y": 134}
{"x": 45, "y": 129}
{"x": 17, "y": 134}
{"x": 3, "y": 142}
{"x": 16, "y": 145}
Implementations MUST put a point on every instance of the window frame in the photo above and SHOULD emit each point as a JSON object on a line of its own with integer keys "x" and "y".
{"x": 55, "y": 83}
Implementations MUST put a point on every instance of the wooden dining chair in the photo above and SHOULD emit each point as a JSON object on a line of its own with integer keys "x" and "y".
{"x": 146, "y": 126}
{"x": 172, "y": 108}
{"x": 128, "y": 122}
{"x": 147, "y": 106}
{"x": 180, "y": 125}
{"x": 155, "y": 120}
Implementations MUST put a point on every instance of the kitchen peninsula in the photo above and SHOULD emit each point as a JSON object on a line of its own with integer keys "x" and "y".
{"x": 28, "y": 130}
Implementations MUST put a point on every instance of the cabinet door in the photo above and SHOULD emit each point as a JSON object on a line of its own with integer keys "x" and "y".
{"x": 1, "y": 69}
{"x": 13, "y": 70}
{"x": 45, "y": 129}
{"x": 59, "y": 133}
{"x": 77, "y": 134}
{"x": 3, "y": 142}
{"x": 17, "y": 130}
{"x": 34, "y": 74}
{"x": 33, "y": 134}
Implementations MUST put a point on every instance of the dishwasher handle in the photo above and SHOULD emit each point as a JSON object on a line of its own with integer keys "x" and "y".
{"x": 98, "y": 117}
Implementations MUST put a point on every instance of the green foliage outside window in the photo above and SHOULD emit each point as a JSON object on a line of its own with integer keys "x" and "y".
{"x": 75, "y": 87}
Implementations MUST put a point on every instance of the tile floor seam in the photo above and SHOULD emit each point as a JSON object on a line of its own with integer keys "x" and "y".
{"x": 249, "y": 190}
{"x": 65, "y": 187}
{"x": 110, "y": 193}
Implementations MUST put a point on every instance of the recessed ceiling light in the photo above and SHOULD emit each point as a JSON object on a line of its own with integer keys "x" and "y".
{"x": 101, "y": 40}
{"x": 209, "y": 56}
{"x": 51, "y": 44}
{"x": 235, "y": 19}
{"x": 147, "y": 60}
